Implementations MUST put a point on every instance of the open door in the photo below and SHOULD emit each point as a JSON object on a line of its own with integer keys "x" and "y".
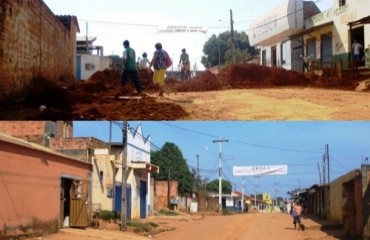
{"x": 78, "y": 204}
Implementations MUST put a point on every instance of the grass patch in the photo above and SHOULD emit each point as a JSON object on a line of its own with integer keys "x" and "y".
{"x": 168, "y": 212}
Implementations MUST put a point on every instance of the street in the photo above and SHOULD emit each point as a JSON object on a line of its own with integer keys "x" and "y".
{"x": 254, "y": 226}
{"x": 246, "y": 226}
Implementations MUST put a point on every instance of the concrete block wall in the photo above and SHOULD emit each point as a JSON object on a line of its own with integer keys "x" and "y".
{"x": 35, "y": 46}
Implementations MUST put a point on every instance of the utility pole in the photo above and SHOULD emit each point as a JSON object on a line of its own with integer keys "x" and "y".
{"x": 243, "y": 195}
{"x": 232, "y": 37}
{"x": 220, "y": 141}
{"x": 124, "y": 177}
{"x": 327, "y": 159}
{"x": 318, "y": 166}
{"x": 197, "y": 164}
{"x": 323, "y": 169}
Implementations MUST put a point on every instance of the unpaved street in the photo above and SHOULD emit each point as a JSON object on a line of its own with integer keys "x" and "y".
{"x": 254, "y": 226}
{"x": 274, "y": 104}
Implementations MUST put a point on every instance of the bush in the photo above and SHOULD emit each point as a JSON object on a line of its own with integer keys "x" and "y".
{"x": 168, "y": 212}
{"x": 107, "y": 215}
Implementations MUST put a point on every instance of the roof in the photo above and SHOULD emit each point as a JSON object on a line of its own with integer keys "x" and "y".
{"x": 67, "y": 21}
{"x": 365, "y": 20}
{"x": 22, "y": 143}
{"x": 309, "y": 30}
{"x": 83, "y": 38}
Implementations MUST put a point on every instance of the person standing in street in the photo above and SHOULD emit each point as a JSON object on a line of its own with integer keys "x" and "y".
{"x": 356, "y": 48}
{"x": 185, "y": 68}
{"x": 296, "y": 213}
{"x": 159, "y": 64}
{"x": 130, "y": 67}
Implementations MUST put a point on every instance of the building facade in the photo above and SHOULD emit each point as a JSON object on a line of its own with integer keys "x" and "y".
{"x": 35, "y": 46}
{"x": 41, "y": 190}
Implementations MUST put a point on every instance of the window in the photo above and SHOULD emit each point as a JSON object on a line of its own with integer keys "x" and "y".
{"x": 342, "y": 3}
{"x": 110, "y": 192}
{"x": 89, "y": 66}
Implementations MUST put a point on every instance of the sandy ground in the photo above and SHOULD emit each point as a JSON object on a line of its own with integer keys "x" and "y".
{"x": 264, "y": 226}
{"x": 254, "y": 226}
{"x": 274, "y": 104}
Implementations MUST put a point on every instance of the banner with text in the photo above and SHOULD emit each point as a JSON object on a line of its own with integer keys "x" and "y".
{"x": 181, "y": 29}
{"x": 260, "y": 170}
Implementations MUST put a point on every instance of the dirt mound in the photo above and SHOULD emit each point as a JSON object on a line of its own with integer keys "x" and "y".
{"x": 204, "y": 82}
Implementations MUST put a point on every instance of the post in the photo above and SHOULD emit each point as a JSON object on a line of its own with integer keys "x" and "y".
{"x": 220, "y": 141}
{"x": 124, "y": 177}
{"x": 327, "y": 159}
{"x": 243, "y": 195}
{"x": 232, "y": 37}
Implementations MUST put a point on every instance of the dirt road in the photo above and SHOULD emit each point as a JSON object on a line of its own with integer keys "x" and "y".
{"x": 274, "y": 104}
{"x": 264, "y": 226}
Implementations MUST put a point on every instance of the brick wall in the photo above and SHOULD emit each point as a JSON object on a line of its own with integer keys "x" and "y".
{"x": 161, "y": 194}
{"x": 34, "y": 46}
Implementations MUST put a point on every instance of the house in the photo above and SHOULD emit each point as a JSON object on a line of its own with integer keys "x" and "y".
{"x": 140, "y": 189}
{"x": 271, "y": 32}
{"x": 90, "y": 58}
{"x": 36, "y": 46}
{"x": 328, "y": 36}
{"x": 105, "y": 159}
{"x": 41, "y": 189}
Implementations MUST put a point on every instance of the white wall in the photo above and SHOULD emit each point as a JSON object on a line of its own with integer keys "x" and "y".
{"x": 90, "y": 64}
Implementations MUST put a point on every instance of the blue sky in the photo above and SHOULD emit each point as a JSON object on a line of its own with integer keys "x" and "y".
{"x": 300, "y": 145}
{"x": 138, "y": 21}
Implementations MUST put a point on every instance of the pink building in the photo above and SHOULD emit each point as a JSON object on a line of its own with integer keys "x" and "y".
{"x": 40, "y": 189}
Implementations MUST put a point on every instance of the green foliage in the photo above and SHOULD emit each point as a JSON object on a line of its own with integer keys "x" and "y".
{"x": 218, "y": 51}
{"x": 108, "y": 215}
{"x": 213, "y": 186}
{"x": 173, "y": 166}
{"x": 168, "y": 212}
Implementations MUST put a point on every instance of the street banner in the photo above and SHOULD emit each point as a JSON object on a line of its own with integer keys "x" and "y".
{"x": 181, "y": 29}
{"x": 260, "y": 170}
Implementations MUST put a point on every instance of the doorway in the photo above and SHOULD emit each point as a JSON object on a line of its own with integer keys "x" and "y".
{"x": 65, "y": 201}
{"x": 273, "y": 57}
{"x": 359, "y": 35}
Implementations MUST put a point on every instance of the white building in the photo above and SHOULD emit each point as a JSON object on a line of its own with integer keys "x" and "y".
{"x": 297, "y": 28}
{"x": 107, "y": 176}
{"x": 90, "y": 58}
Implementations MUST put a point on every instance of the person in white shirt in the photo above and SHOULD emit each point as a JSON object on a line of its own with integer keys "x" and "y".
{"x": 356, "y": 47}
{"x": 144, "y": 62}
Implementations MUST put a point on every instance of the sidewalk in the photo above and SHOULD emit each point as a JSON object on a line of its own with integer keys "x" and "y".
{"x": 91, "y": 234}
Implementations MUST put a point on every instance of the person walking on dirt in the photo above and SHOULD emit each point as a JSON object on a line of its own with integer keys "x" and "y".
{"x": 130, "y": 67}
{"x": 144, "y": 62}
{"x": 185, "y": 69}
{"x": 159, "y": 64}
{"x": 296, "y": 214}
{"x": 356, "y": 47}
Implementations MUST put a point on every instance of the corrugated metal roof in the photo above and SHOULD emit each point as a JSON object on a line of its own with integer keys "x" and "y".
{"x": 22, "y": 143}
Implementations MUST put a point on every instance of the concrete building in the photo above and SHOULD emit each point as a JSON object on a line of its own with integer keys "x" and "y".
{"x": 35, "y": 46}
{"x": 105, "y": 160}
{"x": 41, "y": 190}
{"x": 328, "y": 36}
{"x": 271, "y": 33}
{"x": 90, "y": 58}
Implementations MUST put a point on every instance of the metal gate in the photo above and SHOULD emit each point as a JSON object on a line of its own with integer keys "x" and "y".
{"x": 142, "y": 199}
{"x": 78, "y": 207}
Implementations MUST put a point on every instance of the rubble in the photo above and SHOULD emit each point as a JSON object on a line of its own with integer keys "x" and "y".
{"x": 96, "y": 98}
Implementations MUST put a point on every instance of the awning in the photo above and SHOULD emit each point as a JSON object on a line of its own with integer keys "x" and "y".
{"x": 309, "y": 30}
{"x": 148, "y": 167}
{"x": 365, "y": 20}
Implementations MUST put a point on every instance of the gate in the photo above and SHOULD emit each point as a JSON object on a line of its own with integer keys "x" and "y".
{"x": 78, "y": 208}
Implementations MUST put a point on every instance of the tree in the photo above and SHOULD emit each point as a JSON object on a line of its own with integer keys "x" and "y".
{"x": 218, "y": 51}
{"x": 173, "y": 166}
{"x": 213, "y": 186}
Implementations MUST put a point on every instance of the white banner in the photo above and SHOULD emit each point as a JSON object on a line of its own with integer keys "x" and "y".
{"x": 181, "y": 29}
{"x": 260, "y": 170}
